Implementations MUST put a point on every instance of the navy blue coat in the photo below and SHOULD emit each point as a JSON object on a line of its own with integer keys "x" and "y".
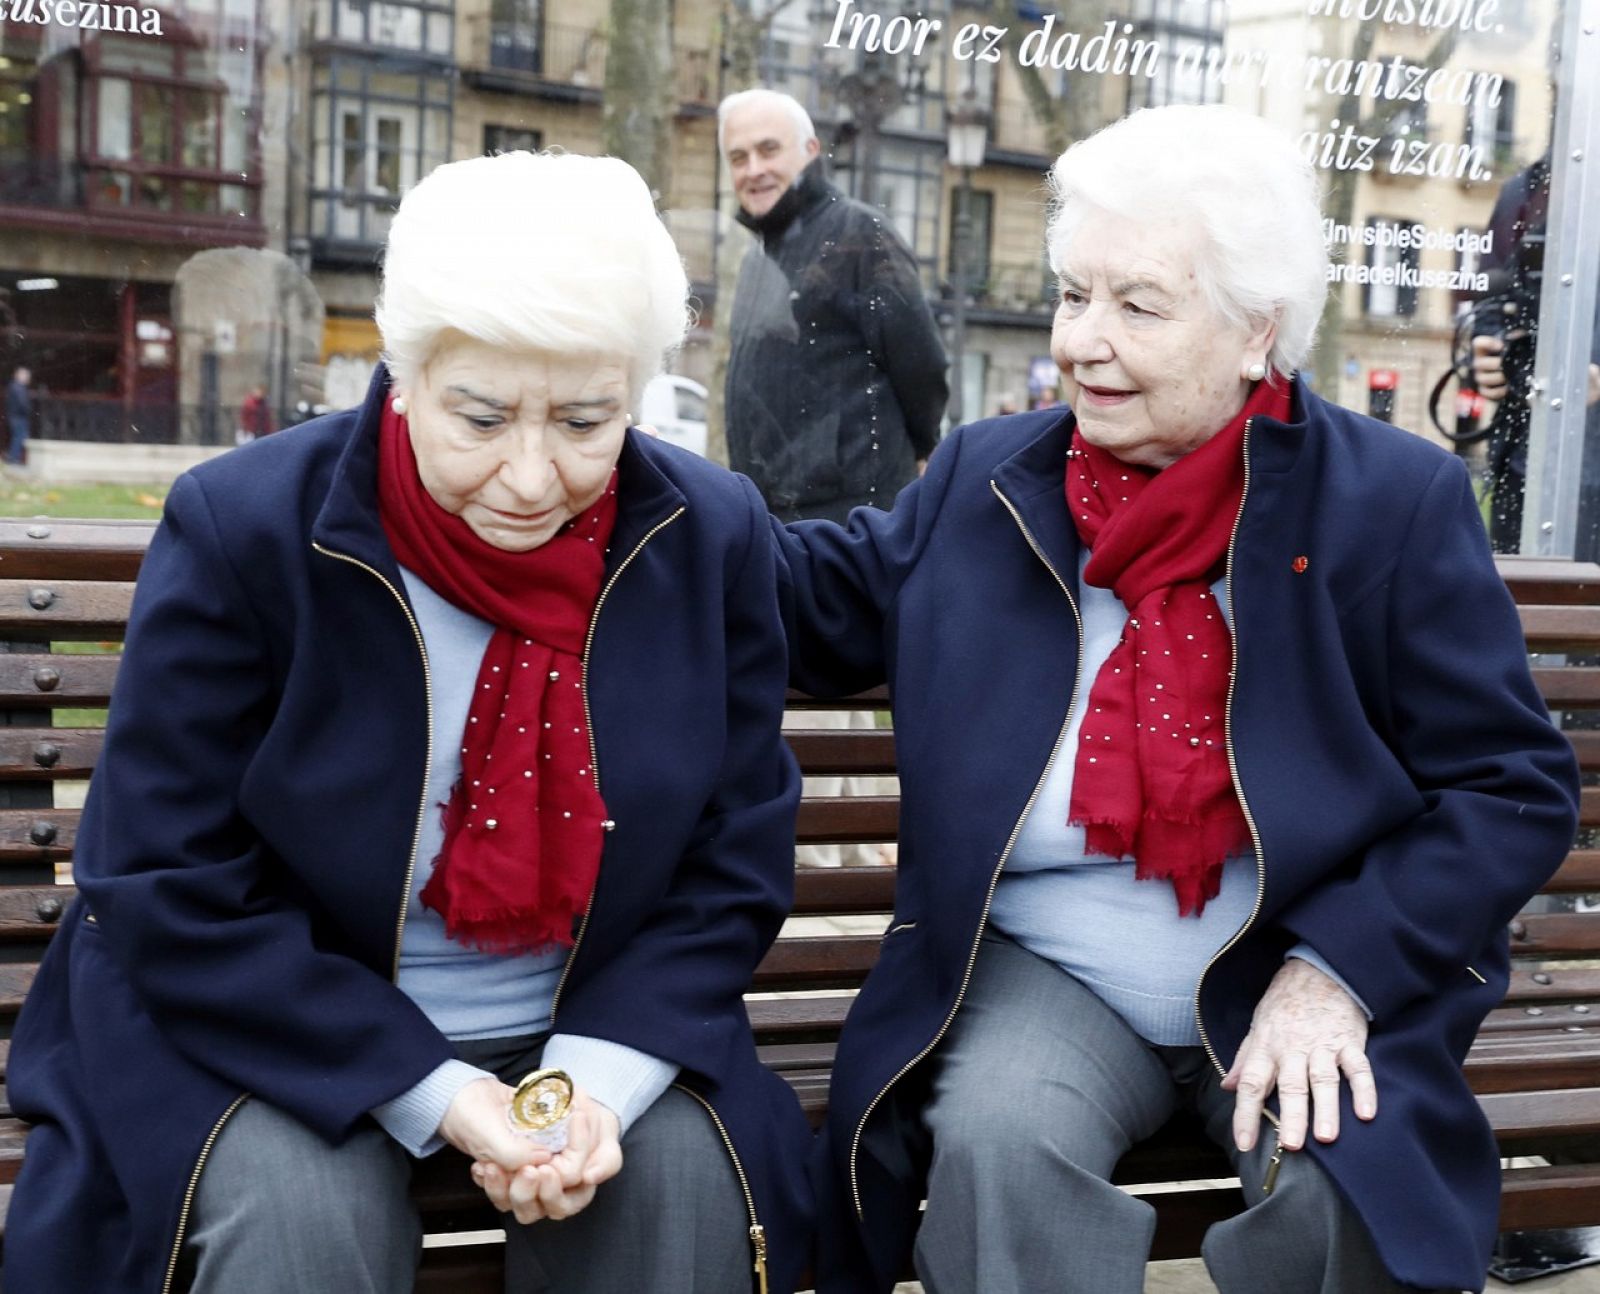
{"x": 243, "y": 859}
{"x": 1407, "y": 789}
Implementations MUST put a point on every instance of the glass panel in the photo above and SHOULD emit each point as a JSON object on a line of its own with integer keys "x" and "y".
{"x": 199, "y": 126}
{"x": 440, "y": 38}
{"x": 386, "y": 175}
{"x": 514, "y": 29}
{"x": 235, "y": 137}
{"x": 353, "y": 154}
{"x": 116, "y": 117}
{"x": 395, "y": 24}
{"x": 350, "y": 19}
{"x": 156, "y": 126}
{"x": 1426, "y": 136}
{"x": 510, "y": 139}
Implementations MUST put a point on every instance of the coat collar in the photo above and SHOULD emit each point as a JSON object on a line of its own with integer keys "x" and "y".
{"x": 348, "y": 522}
{"x": 1033, "y": 478}
{"x": 810, "y": 189}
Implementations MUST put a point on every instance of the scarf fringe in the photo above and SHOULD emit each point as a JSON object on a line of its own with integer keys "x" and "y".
{"x": 1195, "y": 871}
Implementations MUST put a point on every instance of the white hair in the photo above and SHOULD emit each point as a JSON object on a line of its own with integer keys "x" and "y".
{"x": 804, "y": 130}
{"x": 533, "y": 251}
{"x": 1242, "y": 183}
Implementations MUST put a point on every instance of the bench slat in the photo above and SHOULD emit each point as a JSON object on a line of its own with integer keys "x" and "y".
{"x": 1579, "y": 874}
{"x": 830, "y": 891}
{"x": 37, "y": 835}
{"x": 867, "y": 818}
{"x": 1549, "y": 580}
{"x": 70, "y": 549}
{"x": 47, "y": 754}
{"x": 826, "y": 752}
{"x": 1568, "y": 687}
{"x": 37, "y": 682}
{"x": 45, "y": 610}
{"x": 1569, "y": 629}
{"x": 1555, "y": 934}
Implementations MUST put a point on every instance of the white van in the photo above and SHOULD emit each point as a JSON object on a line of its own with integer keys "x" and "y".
{"x": 676, "y": 407}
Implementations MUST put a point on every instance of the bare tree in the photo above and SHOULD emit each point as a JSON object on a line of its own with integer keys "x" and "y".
{"x": 640, "y": 90}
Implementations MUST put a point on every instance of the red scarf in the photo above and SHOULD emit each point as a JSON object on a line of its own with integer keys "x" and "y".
{"x": 523, "y": 826}
{"x": 1152, "y": 777}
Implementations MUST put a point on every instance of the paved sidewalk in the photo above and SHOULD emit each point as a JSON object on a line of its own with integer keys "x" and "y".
{"x": 1188, "y": 1276}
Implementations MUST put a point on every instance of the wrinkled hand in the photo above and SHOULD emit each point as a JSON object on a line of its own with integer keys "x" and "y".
{"x": 565, "y": 1183}
{"x": 1306, "y": 1031}
{"x": 475, "y": 1124}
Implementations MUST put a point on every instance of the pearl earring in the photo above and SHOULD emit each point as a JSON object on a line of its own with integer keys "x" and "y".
{"x": 399, "y": 403}
{"x": 1256, "y": 371}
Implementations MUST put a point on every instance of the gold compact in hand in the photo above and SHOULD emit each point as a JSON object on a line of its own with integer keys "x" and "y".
{"x": 540, "y": 1106}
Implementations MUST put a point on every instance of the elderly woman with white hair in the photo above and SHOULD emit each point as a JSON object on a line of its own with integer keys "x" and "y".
{"x": 445, "y": 749}
{"x": 1222, "y": 772}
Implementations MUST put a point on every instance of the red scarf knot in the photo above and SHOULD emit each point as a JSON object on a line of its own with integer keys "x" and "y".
{"x": 1151, "y": 779}
{"x": 523, "y": 825}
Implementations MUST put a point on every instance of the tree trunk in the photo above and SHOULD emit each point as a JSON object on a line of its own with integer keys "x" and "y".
{"x": 640, "y": 94}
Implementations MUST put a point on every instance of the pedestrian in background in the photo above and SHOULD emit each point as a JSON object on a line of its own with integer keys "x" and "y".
{"x": 255, "y": 416}
{"x": 836, "y": 377}
{"x": 19, "y": 411}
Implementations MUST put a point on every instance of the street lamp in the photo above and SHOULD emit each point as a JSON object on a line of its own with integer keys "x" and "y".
{"x": 967, "y": 127}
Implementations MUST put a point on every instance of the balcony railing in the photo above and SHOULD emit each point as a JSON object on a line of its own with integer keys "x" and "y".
{"x": 1018, "y": 287}
{"x": 108, "y": 420}
{"x": 30, "y": 182}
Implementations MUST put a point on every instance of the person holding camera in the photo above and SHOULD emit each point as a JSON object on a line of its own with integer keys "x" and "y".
{"x": 1502, "y": 355}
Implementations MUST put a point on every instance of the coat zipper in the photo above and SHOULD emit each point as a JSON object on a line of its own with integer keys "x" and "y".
{"x": 194, "y": 1185}
{"x": 405, "y": 897}
{"x": 427, "y": 683}
{"x": 758, "y": 1233}
{"x": 1270, "y": 1178}
{"x": 588, "y": 719}
{"x": 994, "y": 880}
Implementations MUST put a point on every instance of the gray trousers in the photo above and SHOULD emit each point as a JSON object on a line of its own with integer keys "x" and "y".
{"x": 1039, "y": 1089}
{"x": 280, "y": 1211}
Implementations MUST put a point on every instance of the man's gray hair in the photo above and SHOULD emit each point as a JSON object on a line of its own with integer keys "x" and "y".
{"x": 804, "y": 130}
{"x": 1243, "y": 184}
{"x": 533, "y": 251}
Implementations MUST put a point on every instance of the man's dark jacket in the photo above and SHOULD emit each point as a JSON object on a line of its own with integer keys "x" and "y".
{"x": 836, "y": 376}
{"x": 1405, "y": 785}
{"x": 243, "y": 858}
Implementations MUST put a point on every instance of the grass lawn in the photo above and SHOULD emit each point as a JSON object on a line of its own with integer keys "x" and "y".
{"x": 20, "y": 497}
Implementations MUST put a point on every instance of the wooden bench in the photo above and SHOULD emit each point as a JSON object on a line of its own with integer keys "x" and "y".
{"x": 1535, "y": 1065}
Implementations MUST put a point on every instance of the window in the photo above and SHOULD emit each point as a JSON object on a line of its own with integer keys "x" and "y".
{"x": 1391, "y": 292}
{"x": 1175, "y": 47}
{"x": 689, "y": 404}
{"x": 164, "y": 133}
{"x": 378, "y": 133}
{"x": 1491, "y": 125}
{"x": 511, "y": 139}
{"x": 514, "y": 35}
{"x": 427, "y": 28}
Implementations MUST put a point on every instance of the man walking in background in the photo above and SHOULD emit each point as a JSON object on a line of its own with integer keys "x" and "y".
{"x": 836, "y": 375}
{"x": 19, "y": 412}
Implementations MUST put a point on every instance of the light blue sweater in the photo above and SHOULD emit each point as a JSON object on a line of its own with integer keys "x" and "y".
{"x": 1122, "y": 938}
{"x": 470, "y": 994}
